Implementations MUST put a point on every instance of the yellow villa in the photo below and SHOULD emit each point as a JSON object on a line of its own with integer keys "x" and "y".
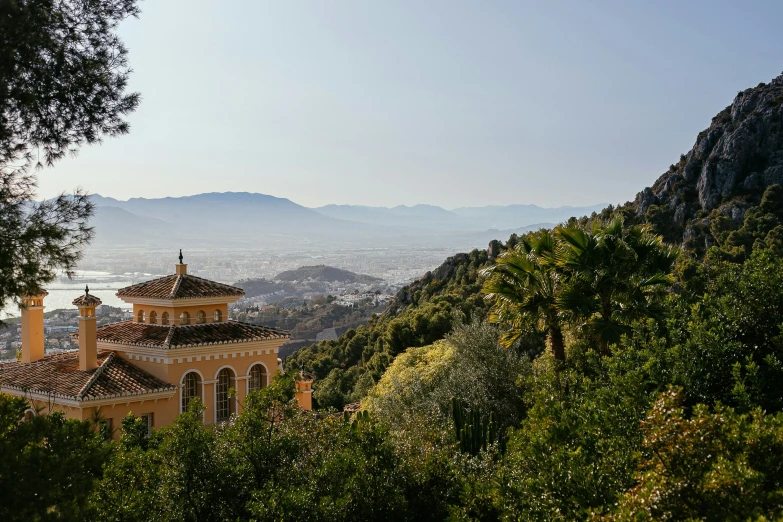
{"x": 179, "y": 346}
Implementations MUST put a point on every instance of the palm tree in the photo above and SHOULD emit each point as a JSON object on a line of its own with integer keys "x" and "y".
{"x": 612, "y": 275}
{"x": 599, "y": 280}
{"x": 523, "y": 286}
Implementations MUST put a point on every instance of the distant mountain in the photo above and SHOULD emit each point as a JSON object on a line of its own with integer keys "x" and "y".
{"x": 226, "y": 219}
{"x": 247, "y": 220}
{"x": 215, "y": 211}
{"x": 116, "y": 226}
{"x": 326, "y": 274}
{"x": 465, "y": 219}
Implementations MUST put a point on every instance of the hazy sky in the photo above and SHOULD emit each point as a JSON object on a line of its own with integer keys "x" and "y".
{"x": 404, "y": 102}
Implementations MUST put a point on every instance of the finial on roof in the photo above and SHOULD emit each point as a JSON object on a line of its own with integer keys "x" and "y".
{"x": 86, "y": 289}
{"x": 180, "y": 256}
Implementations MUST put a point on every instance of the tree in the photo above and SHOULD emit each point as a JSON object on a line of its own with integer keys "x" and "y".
{"x": 37, "y": 240}
{"x": 523, "y": 286}
{"x": 63, "y": 78}
{"x": 63, "y": 74}
{"x": 706, "y": 465}
{"x": 48, "y": 465}
{"x": 614, "y": 275}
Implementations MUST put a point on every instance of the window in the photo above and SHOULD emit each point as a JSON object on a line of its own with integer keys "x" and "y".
{"x": 153, "y": 317}
{"x": 149, "y": 420}
{"x": 191, "y": 389}
{"x": 184, "y": 318}
{"x": 140, "y": 317}
{"x": 105, "y": 428}
{"x": 224, "y": 405}
{"x": 218, "y": 316}
{"x": 257, "y": 378}
{"x": 164, "y": 319}
{"x": 201, "y": 317}
{"x": 29, "y": 413}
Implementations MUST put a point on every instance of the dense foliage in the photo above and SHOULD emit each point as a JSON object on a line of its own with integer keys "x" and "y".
{"x": 423, "y": 313}
{"x": 681, "y": 419}
{"x": 63, "y": 75}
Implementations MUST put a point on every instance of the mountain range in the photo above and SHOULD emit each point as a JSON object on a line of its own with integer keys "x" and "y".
{"x": 242, "y": 218}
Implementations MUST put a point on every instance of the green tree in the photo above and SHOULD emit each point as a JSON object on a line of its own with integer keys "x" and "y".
{"x": 48, "y": 465}
{"x": 63, "y": 78}
{"x": 706, "y": 465}
{"x": 129, "y": 488}
{"x": 523, "y": 286}
{"x": 63, "y": 75}
{"x": 614, "y": 275}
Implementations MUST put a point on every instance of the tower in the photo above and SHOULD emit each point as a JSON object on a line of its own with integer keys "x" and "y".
{"x": 33, "y": 327}
{"x": 88, "y": 338}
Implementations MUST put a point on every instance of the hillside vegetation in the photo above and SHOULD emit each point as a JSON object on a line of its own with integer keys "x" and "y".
{"x": 621, "y": 367}
{"x": 716, "y": 195}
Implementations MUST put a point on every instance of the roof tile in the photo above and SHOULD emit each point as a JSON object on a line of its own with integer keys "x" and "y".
{"x": 183, "y": 286}
{"x": 180, "y": 336}
{"x": 60, "y": 376}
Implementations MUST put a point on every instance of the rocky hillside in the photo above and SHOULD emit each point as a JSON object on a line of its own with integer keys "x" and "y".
{"x": 725, "y": 173}
{"x": 717, "y": 194}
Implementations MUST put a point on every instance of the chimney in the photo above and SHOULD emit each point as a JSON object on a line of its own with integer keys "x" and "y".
{"x": 181, "y": 268}
{"x": 33, "y": 327}
{"x": 88, "y": 337}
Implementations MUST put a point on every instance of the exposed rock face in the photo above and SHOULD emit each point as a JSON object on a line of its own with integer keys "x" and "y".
{"x": 732, "y": 162}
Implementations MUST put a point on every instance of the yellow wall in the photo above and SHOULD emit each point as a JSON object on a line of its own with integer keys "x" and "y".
{"x": 305, "y": 399}
{"x": 208, "y": 361}
{"x": 164, "y": 412}
{"x": 174, "y": 312}
{"x": 32, "y": 334}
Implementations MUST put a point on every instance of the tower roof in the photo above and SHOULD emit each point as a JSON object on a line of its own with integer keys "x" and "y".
{"x": 87, "y": 299}
{"x": 179, "y": 286}
{"x": 169, "y": 337}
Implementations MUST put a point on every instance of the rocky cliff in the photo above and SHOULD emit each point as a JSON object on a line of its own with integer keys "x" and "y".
{"x": 724, "y": 174}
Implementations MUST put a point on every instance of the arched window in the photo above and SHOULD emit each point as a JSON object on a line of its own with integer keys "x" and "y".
{"x": 153, "y": 317}
{"x": 191, "y": 389}
{"x": 201, "y": 318}
{"x": 184, "y": 318}
{"x": 140, "y": 317}
{"x": 224, "y": 405}
{"x": 257, "y": 378}
{"x": 218, "y": 316}
{"x": 164, "y": 319}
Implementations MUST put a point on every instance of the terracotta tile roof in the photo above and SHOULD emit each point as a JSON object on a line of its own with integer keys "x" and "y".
{"x": 60, "y": 376}
{"x": 181, "y": 336}
{"x": 184, "y": 286}
{"x": 86, "y": 300}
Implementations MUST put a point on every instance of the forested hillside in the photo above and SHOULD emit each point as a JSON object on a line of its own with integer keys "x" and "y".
{"x": 420, "y": 314}
{"x": 715, "y": 195}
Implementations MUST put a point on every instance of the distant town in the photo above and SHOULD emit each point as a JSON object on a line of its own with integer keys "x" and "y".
{"x": 314, "y": 302}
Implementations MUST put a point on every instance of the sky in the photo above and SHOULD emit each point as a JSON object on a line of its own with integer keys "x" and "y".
{"x": 449, "y": 103}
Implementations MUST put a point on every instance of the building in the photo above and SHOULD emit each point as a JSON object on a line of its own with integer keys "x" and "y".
{"x": 179, "y": 345}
